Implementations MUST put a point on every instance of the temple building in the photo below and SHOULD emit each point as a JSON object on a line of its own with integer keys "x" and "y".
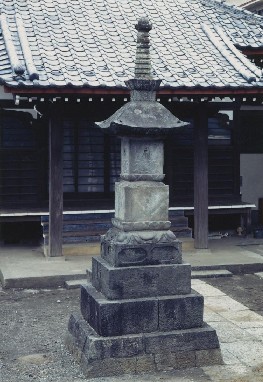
{"x": 63, "y": 67}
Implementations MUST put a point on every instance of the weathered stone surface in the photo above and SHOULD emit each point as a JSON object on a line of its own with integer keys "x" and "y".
{"x": 115, "y": 318}
{"x": 145, "y": 363}
{"x": 208, "y": 357}
{"x": 108, "y": 367}
{"x": 139, "y": 314}
{"x": 138, "y": 282}
{"x": 178, "y": 360}
{"x": 180, "y": 312}
{"x": 122, "y": 249}
{"x": 143, "y": 201}
{"x": 141, "y": 225}
{"x": 131, "y": 316}
{"x": 184, "y": 340}
{"x": 143, "y": 352}
{"x": 141, "y": 159}
{"x": 142, "y": 119}
{"x": 96, "y": 347}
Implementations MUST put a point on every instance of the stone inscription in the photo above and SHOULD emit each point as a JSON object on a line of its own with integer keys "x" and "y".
{"x": 142, "y": 157}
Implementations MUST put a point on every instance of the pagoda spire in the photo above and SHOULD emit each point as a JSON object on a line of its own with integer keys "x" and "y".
{"x": 143, "y": 67}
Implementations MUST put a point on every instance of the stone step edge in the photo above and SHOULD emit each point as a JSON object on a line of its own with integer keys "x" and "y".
{"x": 259, "y": 274}
{"x": 211, "y": 273}
{"x": 74, "y": 284}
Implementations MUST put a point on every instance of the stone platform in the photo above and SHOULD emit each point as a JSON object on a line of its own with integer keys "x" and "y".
{"x": 144, "y": 352}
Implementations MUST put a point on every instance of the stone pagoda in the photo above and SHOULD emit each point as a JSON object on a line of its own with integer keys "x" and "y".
{"x": 139, "y": 313}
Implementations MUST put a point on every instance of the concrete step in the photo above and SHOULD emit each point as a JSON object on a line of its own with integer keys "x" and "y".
{"x": 74, "y": 284}
{"x": 88, "y": 249}
{"x": 187, "y": 244}
{"x": 84, "y": 227}
{"x": 72, "y": 250}
{"x": 87, "y": 228}
{"x": 209, "y": 273}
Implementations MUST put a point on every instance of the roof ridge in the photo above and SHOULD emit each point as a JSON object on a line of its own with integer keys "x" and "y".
{"x": 16, "y": 65}
{"x": 234, "y": 50}
{"x": 32, "y": 70}
{"x": 234, "y": 61}
{"x": 248, "y": 15}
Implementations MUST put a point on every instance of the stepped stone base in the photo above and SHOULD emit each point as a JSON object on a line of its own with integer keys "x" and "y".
{"x": 138, "y": 353}
{"x": 131, "y": 316}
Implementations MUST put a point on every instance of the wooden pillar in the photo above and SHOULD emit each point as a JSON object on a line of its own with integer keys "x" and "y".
{"x": 201, "y": 178}
{"x": 55, "y": 182}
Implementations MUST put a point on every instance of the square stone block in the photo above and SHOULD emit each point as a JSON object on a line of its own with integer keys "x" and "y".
{"x": 118, "y": 317}
{"x": 140, "y": 315}
{"x": 141, "y": 201}
{"x": 143, "y": 281}
{"x": 181, "y": 312}
{"x": 142, "y": 156}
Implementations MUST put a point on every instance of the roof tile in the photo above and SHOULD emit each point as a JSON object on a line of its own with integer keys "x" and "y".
{"x": 92, "y": 43}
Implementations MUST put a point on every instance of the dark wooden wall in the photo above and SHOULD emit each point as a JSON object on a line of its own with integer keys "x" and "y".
{"x": 19, "y": 171}
{"x": 223, "y": 163}
{"x": 91, "y": 160}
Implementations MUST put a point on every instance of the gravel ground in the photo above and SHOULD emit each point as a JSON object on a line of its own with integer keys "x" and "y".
{"x": 33, "y": 324}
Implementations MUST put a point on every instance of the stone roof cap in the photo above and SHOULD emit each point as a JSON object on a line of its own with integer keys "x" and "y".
{"x": 143, "y": 115}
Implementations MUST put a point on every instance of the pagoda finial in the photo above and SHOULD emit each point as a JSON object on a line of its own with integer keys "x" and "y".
{"x": 143, "y": 87}
{"x": 143, "y": 58}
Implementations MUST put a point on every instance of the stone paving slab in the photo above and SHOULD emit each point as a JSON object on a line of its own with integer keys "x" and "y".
{"x": 221, "y": 304}
{"x": 244, "y": 319}
{"x": 210, "y": 316}
{"x": 206, "y": 289}
{"x": 228, "y": 332}
{"x": 211, "y": 273}
{"x": 249, "y": 353}
{"x": 222, "y": 373}
{"x": 240, "y": 334}
{"x": 259, "y": 274}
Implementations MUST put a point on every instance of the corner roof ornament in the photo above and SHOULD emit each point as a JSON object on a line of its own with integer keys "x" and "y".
{"x": 143, "y": 115}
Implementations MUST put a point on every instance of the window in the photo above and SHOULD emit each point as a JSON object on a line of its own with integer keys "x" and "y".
{"x": 91, "y": 158}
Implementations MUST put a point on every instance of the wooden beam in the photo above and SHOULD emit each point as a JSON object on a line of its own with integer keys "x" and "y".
{"x": 65, "y": 91}
{"x": 201, "y": 178}
{"x": 55, "y": 182}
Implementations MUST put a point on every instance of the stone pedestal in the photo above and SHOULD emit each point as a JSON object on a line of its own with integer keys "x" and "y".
{"x": 139, "y": 313}
{"x": 139, "y": 353}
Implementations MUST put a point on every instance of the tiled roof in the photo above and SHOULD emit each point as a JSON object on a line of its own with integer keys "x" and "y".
{"x": 88, "y": 43}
